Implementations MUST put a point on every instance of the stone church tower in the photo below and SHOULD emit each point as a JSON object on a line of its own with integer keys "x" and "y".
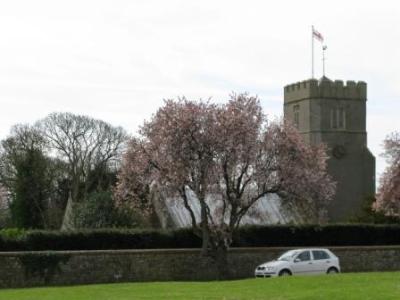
{"x": 330, "y": 112}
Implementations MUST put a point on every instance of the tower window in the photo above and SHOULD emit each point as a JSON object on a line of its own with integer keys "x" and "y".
{"x": 338, "y": 118}
{"x": 296, "y": 116}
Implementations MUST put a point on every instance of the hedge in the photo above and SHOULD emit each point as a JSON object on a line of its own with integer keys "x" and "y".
{"x": 104, "y": 239}
{"x": 250, "y": 236}
{"x": 309, "y": 235}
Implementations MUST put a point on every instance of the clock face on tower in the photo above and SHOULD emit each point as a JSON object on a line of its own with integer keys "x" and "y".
{"x": 339, "y": 151}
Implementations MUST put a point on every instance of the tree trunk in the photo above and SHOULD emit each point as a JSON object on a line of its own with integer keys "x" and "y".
{"x": 218, "y": 252}
{"x": 221, "y": 261}
{"x": 205, "y": 230}
{"x": 205, "y": 237}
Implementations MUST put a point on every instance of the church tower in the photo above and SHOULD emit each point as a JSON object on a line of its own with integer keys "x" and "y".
{"x": 334, "y": 113}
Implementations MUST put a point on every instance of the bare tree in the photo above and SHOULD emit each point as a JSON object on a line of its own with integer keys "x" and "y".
{"x": 388, "y": 196}
{"x": 83, "y": 143}
{"x": 228, "y": 151}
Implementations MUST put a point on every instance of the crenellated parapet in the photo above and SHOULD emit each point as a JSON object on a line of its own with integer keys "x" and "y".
{"x": 325, "y": 88}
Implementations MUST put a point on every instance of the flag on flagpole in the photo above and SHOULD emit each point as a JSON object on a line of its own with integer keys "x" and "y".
{"x": 317, "y": 35}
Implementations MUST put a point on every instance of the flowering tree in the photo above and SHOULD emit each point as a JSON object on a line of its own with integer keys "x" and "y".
{"x": 228, "y": 151}
{"x": 388, "y": 197}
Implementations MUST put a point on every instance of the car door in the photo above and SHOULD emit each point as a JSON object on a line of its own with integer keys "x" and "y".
{"x": 302, "y": 263}
{"x": 321, "y": 261}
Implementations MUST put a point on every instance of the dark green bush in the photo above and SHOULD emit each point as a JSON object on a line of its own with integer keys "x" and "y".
{"x": 12, "y": 232}
{"x": 311, "y": 235}
{"x": 100, "y": 211}
{"x": 99, "y": 240}
{"x": 249, "y": 236}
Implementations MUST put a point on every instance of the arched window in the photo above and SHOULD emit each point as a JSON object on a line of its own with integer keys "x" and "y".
{"x": 296, "y": 116}
{"x": 338, "y": 118}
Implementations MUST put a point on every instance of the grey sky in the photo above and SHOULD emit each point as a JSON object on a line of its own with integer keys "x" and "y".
{"x": 117, "y": 60}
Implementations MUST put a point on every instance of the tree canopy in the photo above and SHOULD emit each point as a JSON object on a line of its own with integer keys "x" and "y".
{"x": 388, "y": 196}
{"x": 84, "y": 144}
{"x": 26, "y": 172}
{"x": 61, "y": 155}
{"x": 229, "y": 151}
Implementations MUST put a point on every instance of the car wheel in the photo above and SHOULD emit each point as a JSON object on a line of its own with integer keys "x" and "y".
{"x": 332, "y": 271}
{"x": 285, "y": 273}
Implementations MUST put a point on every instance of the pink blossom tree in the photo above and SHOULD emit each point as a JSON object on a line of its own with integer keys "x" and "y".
{"x": 388, "y": 196}
{"x": 228, "y": 151}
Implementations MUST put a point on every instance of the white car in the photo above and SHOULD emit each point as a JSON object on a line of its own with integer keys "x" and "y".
{"x": 300, "y": 262}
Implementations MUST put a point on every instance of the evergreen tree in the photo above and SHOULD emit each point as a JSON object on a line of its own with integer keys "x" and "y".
{"x": 31, "y": 190}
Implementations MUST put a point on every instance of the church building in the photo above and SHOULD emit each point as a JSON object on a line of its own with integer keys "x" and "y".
{"x": 334, "y": 113}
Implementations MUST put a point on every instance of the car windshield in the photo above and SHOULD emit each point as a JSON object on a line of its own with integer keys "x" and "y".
{"x": 287, "y": 256}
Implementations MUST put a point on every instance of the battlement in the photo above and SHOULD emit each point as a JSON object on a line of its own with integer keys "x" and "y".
{"x": 325, "y": 88}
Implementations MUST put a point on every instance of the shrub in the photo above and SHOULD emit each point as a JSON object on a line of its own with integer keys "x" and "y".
{"x": 12, "y": 232}
{"x": 312, "y": 235}
{"x": 99, "y": 211}
{"x": 249, "y": 236}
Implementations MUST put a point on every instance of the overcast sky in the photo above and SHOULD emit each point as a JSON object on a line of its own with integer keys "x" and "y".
{"x": 117, "y": 60}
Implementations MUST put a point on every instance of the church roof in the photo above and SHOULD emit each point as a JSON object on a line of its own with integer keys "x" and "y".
{"x": 268, "y": 210}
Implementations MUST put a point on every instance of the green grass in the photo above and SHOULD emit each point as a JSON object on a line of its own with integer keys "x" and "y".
{"x": 344, "y": 286}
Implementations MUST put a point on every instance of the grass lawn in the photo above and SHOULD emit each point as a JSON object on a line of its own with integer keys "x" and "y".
{"x": 344, "y": 286}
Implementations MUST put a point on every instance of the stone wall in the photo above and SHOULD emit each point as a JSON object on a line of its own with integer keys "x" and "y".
{"x": 23, "y": 269}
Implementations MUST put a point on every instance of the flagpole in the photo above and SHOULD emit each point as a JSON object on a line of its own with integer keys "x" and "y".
{"x": 312, "y": 51}
{"x": 323, "y": 59}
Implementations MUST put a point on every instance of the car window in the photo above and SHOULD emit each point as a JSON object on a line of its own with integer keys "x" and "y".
{"x": 287, "y": 256}
{"x": 319, "y": 254}
{"x": 304, "y": 256}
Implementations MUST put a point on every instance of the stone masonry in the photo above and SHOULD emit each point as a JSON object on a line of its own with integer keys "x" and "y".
{"x": 24, "y": 269}
{"x": 334, "y": 113}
